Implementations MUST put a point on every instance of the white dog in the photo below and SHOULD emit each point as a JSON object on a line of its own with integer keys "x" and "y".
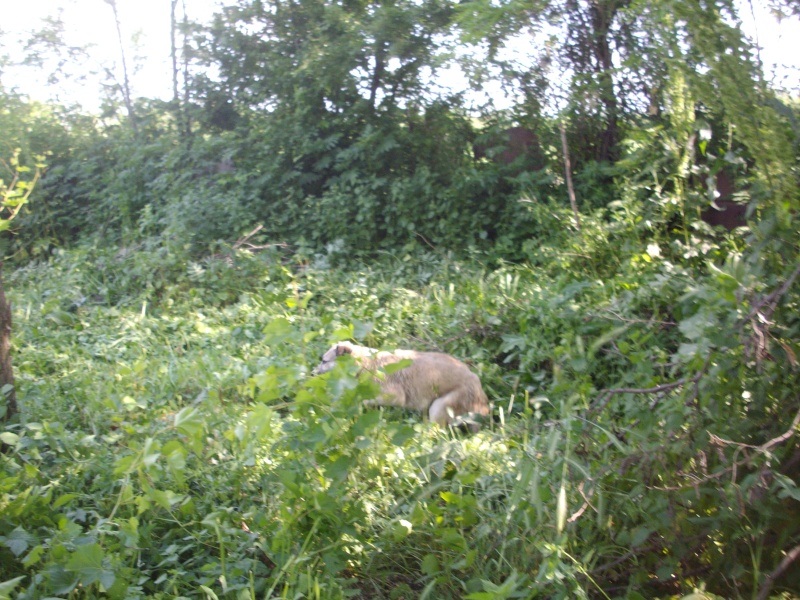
{"x": 433, "y": 382}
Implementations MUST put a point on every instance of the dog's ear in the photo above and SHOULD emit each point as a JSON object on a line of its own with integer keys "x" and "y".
{"x": 343, "y": 348}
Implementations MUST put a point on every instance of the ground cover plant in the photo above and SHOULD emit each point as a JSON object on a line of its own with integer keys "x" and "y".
{"x": 172, "y": 443}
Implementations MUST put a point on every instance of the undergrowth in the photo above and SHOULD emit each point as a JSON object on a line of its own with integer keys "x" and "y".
{"x": 171, "y": 441}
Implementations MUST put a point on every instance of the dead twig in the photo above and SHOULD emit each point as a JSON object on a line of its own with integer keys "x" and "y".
{"x": 424, "y": 239}
{"x": 586, "y": 504}
{"x": 244, "y": 242}
{"x": 246, "y": 238}
{"x": 715, "y": 440}
{"x": 790, "y": 557}
{"x": 760, "y": 319}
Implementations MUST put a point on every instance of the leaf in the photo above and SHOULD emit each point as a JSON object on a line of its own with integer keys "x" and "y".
{"x": 607, "y": 337}
{"x": 165, "y": 499}
{"x": 361, "y": 329}
{"x": 342, "y": 334}
{"x": 639, "y": 536}
{"x": 209, "y": 592}
{"x": 88, "y": 562}
{"x": 696, "y": 326}
{"x": 561, "y": 509}
{"x": 18, "y": 541}
{"x": 6, "y": 587}
{"x": 64, "y": 499}
{"x": 450, "y": 498}
{"x": 33, "y": 557}
{"x": 430, "y": 564}
{"x": 278, "y": 331}
{"x": 788, "y": 487}
{"x": 129, "y": 532}
{"x": 403, "y": 433}
{"x": 401, "y": 529}
{"x": 398, "y": 366}
{"x": 189, "y": 421}
{"x": 9, "y": 438}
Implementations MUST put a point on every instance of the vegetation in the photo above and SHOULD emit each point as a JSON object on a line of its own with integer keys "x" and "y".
{"x": 180, "y": 266}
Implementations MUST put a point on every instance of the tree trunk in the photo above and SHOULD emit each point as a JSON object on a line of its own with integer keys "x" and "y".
{"x": 173, "y": 47}
{"x": 126, "y": 86}
{"x": 602, "y": 16}
{"x": 6, "y": 370}
{"x": 187, "y": 118}
{"x": 568, "y": 170}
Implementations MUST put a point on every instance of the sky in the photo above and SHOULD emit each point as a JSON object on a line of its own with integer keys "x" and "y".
{"x": 147, "y": 21}
{"x": 145, "y": 27}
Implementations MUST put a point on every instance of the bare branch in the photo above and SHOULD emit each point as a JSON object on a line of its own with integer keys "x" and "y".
{"x": 568, "y": 170}
{"x": 790, "y": 557}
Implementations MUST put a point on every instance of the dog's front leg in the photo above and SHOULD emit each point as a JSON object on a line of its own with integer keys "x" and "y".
{"x": 391, "y": 395}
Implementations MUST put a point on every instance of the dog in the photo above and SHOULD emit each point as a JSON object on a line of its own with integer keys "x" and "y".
{"x": 433, "y": 382}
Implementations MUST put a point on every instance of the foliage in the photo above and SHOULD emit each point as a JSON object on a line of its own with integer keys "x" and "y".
{"x": 171, "y": 440}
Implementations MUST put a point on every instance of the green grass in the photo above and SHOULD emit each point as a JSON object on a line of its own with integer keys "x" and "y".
{"x": 171, "y": 442}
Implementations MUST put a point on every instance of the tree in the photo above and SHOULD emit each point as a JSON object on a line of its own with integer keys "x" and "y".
{"x": 13, "y": 196}
{"x": 581, "y": 37}
{"x": 126, "y": 86}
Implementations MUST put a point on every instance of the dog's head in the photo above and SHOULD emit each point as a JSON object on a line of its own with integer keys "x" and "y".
{"x": 329, "y": 358}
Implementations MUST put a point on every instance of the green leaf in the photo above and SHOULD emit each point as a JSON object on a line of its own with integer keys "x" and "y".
{"x": 342, "y": 334}
{"x": 401, "y": 529}
{"x": 90, "y": 565}
{"x": 696, "y": 326}
{"x": 129, "y": 532}
{"x": 402, "y": 433}
{"x": 639, "y": 536}
{"x": 398, "y": 366}
{"x": 8, "y": 438}
{"x": 209, "y": 592}
{"x": 788, "y": 487}
{"x": 164, "y": 498}
{"x": 450, "y": 498}
{"x": 189, "y": 421}
{"x": 430, "y": 565}
{"x": 278, "y": 331}
{"x": 6, "y": 587}
{"x": 64, "y": 499}
{"x": 33, "y": 557}
{"x": 361, "y": 329}
{"x": 561, "y": 509}
{"x": 18, "y": 541}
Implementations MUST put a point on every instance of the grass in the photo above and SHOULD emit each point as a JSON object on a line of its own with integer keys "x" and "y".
{"x": 171, "y": 442}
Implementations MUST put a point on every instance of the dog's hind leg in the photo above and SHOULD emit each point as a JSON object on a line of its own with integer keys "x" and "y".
{"x": 445, "y": 408}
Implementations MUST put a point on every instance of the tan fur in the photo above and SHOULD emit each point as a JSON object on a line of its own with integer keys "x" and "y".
{"x": 433, "y": 382}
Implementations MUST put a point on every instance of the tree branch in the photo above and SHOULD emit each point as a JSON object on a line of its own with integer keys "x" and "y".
{"x": 790, "y": 557}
